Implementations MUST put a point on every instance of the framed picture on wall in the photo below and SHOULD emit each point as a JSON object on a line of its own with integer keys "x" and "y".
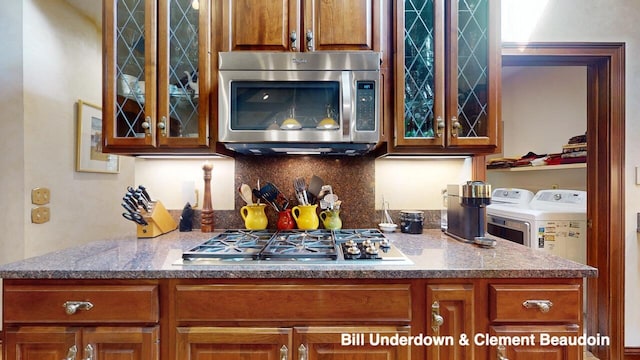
{"x": 89, "y": 156}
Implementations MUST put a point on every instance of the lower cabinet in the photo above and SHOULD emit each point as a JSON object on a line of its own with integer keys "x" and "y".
{"x": 450, "y": 316}
{"x": 313, "y": 342}
{"x": 67, "y": 343}
{"x": 535, "y": 320}
{"x": 285, "y": 319}
{"x": 535, "y": 342}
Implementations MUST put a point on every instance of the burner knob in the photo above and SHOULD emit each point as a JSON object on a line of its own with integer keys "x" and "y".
{"x": 350, "y": 243}
{"x": 353, "y": 250}
{"x": 366, "y": 243}
{"x": 371, "y": 250}
{"x": 384, "y": 243}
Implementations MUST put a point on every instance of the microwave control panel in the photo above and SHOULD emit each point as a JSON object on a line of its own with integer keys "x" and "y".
{"x": 365, "y": 106}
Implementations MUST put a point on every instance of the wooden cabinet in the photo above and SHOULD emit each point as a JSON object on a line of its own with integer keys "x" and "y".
{"x": 312, "y": 342}
{"x": 450, "y": 313}
{"x": 301, "y": 321}
{"x": 536, "y": 313}
{"x": 290, "y": 318}
{"x": 447, "y": 77}
{"x": 81, "y": 321}
{"x": 157, "y": 76}
{"x": 300, "y": 25}
{"x": 33, "y": 342}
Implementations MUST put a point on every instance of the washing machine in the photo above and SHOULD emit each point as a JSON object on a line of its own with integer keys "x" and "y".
{"x": 554, "y": 221}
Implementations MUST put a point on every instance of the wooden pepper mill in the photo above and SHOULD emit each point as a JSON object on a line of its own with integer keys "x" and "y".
{"x": 206, "y": 222}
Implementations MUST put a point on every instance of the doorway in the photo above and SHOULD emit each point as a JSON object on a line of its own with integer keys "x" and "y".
{"x": 605, "y": 174}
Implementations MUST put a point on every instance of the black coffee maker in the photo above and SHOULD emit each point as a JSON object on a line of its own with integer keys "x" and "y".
{"x": 466, "y": 210}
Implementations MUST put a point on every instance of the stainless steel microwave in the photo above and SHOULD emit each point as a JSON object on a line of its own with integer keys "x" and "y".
{"x": 317, "y": 102}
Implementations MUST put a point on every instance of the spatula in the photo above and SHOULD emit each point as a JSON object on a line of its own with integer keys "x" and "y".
{"x": 315, "y": 185}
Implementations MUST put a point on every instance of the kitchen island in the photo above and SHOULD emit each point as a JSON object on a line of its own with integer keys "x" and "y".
{"x": 132, "y": 295}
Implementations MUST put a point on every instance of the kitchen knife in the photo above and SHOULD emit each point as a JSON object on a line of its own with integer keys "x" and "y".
{"x": 131, "y": 210}
{"x": 144, "y": 192}
{"x": 133, "y": 204}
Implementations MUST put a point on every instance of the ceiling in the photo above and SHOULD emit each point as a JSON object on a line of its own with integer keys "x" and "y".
{"x": 90, "y": 8}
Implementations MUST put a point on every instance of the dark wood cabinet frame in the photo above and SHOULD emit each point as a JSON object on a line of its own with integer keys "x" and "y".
{"x": 605, "y": 63}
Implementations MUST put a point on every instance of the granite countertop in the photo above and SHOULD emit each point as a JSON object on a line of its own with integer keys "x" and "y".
{"x": 434, "y": 255}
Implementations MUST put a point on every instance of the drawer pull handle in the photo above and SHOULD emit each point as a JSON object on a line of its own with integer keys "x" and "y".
{"x": 71, "y": 307}
{"x": 71, "y": 354}
{"x": 436, "y": 319}
{"x": 543, "y": 305}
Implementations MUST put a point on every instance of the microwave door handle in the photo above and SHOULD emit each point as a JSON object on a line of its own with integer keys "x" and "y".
{"x": 347, "y": 111}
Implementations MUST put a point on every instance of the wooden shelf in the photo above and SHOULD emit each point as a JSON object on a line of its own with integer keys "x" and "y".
{"x": 543, "y": 167}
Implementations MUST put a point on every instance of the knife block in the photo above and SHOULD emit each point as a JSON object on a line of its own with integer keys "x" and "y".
{"x": 159, "y": 222}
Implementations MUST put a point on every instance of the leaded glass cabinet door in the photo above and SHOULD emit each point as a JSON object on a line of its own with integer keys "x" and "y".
{"x": 129, "y": 101}
{"x": 420, "y": 74}
{"x": 183, "y": 73}
{"x": 473, "y": 73}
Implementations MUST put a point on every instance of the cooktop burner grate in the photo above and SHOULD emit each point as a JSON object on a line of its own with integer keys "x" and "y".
{"x": 232, "y": 244}
{"x": 301, "y": 244}
{"x": 296, "y": 245}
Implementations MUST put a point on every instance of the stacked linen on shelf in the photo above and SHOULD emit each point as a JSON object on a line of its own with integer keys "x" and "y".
{"x": 575, "y": 151}
{"x": 528, "y": 159}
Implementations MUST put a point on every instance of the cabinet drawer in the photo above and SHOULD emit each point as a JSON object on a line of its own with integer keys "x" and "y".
{"x": 513, "y": 303}
{"x": 95, "y": 304}
{"x": 371, "y": 303}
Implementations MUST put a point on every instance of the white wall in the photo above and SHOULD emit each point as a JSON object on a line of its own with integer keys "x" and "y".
{"x": 599, "y": 21}
{"x": 414, "y": 183}
{"x": 549, "y": 105}
{"x": 174, "y": 182}
{"x": 52, "y": 56}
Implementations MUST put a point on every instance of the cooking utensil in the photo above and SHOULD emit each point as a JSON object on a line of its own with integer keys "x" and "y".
{"x": 129, "y": 208}
{"x": 144, "y": 192}
{"x": 301, "y": 191}
{"x": 272, "y": 195}
{"x": 246, "y": 194}
{"x": 135, "y": 217}
{"x": 315, "y": 185}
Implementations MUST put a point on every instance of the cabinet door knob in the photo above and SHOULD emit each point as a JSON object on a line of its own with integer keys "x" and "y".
{"x": 162, "y": 126}
{"x": 146, "y": 125}
{"x": 71, "y": 354}
{"x": 500, "y": 353}
{"x": 71, "y": 307}
{"x": 455, "y": 126}
{"x": 293, "y": 38}
{"x": 284, "y": 353}
{"x": 436, "y": 319}
{"x": 543, "y": 305}
{"x": 439, "y": 126}
{"x": 302, "y": 352}
{"x": 309, "y": 40}
{"x": 89, "y": 351}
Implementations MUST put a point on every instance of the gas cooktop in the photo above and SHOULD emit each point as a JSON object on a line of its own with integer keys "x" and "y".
{"x": 356, "y": 246}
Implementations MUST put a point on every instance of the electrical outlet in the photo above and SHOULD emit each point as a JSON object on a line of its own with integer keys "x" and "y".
{"x": 40, "y": 215}
{"x": 40, "y": 196}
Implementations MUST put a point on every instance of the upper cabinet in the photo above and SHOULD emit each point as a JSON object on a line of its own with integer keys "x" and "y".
{"x": 300, "y": 25}
{"x": 157, "y": 78}
{"x": 447, "y": 76}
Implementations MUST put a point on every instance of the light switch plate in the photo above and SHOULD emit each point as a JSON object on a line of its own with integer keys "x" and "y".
{"x": 40, "y": 196}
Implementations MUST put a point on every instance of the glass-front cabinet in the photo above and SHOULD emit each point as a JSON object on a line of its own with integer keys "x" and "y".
{"x": 447, "y": 76}
{"x": 156, "y": 74}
